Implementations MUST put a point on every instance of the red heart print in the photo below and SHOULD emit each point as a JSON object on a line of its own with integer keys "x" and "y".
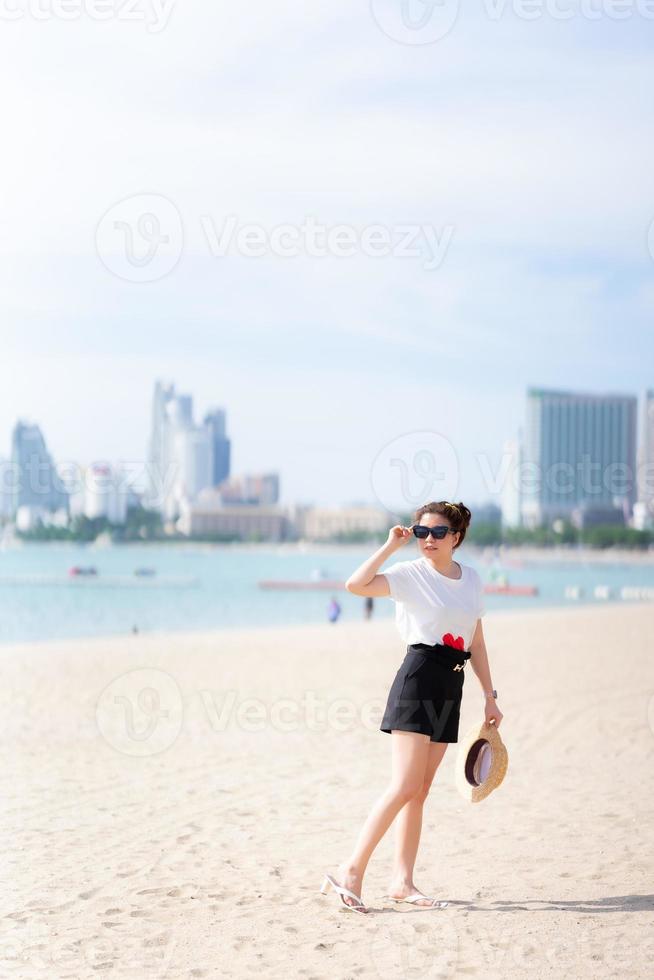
{"x": 449, "y": 641}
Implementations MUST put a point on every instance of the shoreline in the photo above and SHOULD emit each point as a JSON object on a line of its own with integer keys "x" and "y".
{"x": 572, "y": 556}
{"x": 272, "y": 630}
{"x": 568, "y": 553}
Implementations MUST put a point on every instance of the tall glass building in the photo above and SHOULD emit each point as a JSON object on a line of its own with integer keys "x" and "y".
{"x": 157, "y": 449}
{"x": 579, "y": 455}
{"x": 220, "y": 445}
{"x": 646, "y": 454}
{"x": 183, "y": 458}
{"x": 34, "y": 479}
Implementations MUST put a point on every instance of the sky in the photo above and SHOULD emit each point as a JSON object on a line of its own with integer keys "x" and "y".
{"x": 363, "y": 228}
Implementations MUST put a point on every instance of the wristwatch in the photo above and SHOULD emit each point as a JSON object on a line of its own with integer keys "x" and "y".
{"x": 491, "y": 694}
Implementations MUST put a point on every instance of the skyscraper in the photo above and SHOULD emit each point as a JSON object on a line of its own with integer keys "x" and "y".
{"x": 646, "y": 461}
{"x": 579, "y": 455}
{"x": 180, "y": 453}
{"x": 34, "y": 479}
{"x": 220, "y": 446}
{"x": 190, "y": 456}
{"x": 156, "y": 465}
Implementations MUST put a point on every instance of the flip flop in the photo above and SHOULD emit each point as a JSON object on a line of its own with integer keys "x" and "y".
{"x": 417, "y": 897}
{"x": 341, "y": 892}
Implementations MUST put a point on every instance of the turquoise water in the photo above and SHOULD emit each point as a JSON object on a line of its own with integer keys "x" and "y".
{"x": 207, "y": 587}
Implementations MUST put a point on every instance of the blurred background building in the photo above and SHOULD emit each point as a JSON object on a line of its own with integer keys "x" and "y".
{"x": 186, "y": 460}
{"x": 35, "y": 491}
{"x": 644, "y": 506}
{"x": 257, "y": 488}
{"x": 105, "y": 492}
{"x": 183, "y": 458}
{"x": 579, "y": 458}
{"x": 583, "y": 458}
{"x": 215, "y": 423}
{"x": 323, "y": 523}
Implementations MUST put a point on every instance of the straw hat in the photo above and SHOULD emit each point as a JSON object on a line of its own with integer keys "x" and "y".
{"x": 481, "y": 762}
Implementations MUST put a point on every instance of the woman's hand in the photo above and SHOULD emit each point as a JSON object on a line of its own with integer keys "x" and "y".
{"x": 398, "y": 536}
{"x": 493, "y": 713}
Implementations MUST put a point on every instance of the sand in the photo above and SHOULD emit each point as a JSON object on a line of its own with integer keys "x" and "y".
{"x": 160, "y": 824}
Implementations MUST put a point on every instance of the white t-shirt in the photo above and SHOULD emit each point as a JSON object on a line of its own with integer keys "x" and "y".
{"x": 432, "y": 608}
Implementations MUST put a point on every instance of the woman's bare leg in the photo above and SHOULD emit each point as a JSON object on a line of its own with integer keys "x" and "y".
{"x": 408, "y": 827}
{"x": 410, "y": 756}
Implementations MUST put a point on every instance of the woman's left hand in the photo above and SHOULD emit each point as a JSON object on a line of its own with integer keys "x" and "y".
{"x": 493, "y": 713}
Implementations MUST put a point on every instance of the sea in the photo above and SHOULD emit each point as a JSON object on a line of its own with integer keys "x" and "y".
{"x": 187, "y": 587}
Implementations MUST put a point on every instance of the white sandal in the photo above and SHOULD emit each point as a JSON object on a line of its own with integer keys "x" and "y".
{"x": 417, "y": 897}
{"x": 341, "y": 893}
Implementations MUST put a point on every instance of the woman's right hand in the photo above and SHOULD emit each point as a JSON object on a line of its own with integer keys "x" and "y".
{"x": 398, "y": 536}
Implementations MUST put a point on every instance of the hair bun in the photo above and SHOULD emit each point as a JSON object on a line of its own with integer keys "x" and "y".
{"x": 466, "y": 515}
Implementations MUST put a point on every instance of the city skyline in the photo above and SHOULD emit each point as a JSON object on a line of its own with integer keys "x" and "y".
{"x": 297, "y": 444}
{"x": 173, "y": 412}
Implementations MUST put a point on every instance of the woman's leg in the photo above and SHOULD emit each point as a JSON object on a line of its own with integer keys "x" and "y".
{"x": 408, "y": 828}
{"x": 410, "y": 755}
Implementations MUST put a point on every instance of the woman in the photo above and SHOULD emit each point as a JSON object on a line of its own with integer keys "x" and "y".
{"x": 438, "y": 609}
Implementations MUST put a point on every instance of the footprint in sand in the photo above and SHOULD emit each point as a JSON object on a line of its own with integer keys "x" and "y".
{"x": 161, "y": 940}
{"x": 89, "y": 894}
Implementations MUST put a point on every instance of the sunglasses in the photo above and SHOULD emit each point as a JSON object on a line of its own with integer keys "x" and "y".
{"x": 439, "y": 531}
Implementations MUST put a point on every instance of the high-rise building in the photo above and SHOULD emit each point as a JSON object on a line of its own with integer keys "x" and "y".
{"x": 645, "y": 504}
{"x": 35, "y": 482}
{"x": 157, "y": 463}
{"x": 220, "y": 446}
{"x": 191, "y": 454}
{"x": 180, "y": 453}
{"x": 579, "y": 456}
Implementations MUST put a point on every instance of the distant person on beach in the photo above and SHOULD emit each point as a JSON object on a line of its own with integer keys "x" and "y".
{"x": 333, "y": 610}
{"x": 367, "y": 606}
{"x": 439, "y": 605}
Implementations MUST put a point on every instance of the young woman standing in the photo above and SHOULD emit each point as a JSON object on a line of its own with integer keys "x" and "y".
{"x": 439, "y": 604}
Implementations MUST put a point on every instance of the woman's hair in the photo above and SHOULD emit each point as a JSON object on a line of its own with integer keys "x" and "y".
{"x": 457, "y": 514}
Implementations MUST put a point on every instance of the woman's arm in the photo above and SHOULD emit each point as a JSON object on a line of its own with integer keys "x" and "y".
{"x": 365, "y": 580}
{"x": 479, "y": 661}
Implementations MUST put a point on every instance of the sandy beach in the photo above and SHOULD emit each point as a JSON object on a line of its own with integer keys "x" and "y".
{"x": 172, "y": 801}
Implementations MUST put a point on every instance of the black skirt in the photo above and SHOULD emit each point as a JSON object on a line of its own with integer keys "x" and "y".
{"x": 426, "y": 694}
